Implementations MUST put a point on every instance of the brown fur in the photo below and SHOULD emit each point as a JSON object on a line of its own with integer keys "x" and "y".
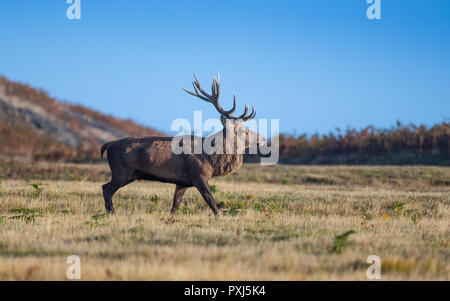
{"x": 151, "y": 158}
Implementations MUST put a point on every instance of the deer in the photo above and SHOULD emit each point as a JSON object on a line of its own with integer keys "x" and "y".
{"x": 153, "y": 159}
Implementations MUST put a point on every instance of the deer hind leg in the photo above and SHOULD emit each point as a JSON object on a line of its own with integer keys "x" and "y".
{"x": 110, "y": 188}
{"x": 203, "y": 187}
{"x": 177, "y": 198}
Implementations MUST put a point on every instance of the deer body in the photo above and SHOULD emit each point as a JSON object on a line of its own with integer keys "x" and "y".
{"x": 152, "y": 158}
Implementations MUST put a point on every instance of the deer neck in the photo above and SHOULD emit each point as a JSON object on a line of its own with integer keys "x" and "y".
{"x": 224, "y": 164}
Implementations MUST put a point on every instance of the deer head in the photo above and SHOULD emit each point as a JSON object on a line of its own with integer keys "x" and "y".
{"x": 233, "y": 126}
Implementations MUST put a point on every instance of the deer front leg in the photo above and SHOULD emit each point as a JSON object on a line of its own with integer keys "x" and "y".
{"x": 203, "y": 187}
{"x": 177, "y": 198}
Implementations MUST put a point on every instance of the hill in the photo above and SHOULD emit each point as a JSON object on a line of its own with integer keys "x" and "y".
{"x": 35, "y": 126}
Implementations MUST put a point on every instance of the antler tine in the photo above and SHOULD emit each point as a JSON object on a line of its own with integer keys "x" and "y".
{"x": 251, "y": 116}
{"x": 234, "y": 105}
{"x": 226, "y": 113}
{"x": 210, "y": 98}
{"x": 243, "y": 114}
{"x": 192, "y": 93}
{"x": 196, "y": 93}
{"x": 215, "y": 88}
{"x": 214, "y": 99}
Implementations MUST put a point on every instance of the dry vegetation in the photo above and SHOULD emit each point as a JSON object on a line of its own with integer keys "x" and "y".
{"x": 24, "y": 135}
{"x": 277, "y": 223}
{"x": 401, "y": 144}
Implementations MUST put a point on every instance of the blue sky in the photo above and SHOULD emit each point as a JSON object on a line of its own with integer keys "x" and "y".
{"x": 316, "y": 65}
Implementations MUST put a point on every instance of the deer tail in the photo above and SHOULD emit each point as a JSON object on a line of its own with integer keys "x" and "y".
{"x": 105, "y": 147}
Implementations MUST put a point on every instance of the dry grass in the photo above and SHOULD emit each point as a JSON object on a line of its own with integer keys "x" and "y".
{"x": 269, "y": 230}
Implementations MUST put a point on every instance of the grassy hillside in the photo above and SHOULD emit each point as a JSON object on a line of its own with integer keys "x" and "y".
{"x": 33, "y": 125}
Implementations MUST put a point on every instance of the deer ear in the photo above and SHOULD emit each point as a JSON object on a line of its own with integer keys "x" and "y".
{"x": 223, "y": 119}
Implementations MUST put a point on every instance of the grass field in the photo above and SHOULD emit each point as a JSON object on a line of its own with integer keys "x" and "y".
{"x": 277, "y": 223}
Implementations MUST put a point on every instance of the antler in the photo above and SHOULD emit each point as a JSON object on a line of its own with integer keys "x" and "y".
{"x": 214, "y": 99}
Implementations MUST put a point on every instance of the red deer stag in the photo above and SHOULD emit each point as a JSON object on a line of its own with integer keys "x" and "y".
{"x": 152, "y": 158}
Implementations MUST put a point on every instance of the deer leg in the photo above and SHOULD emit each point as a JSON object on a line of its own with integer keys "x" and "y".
{"x": 109, "y": 189}
{"x": 203, "y": 187}
{"x": 177, "y": 198}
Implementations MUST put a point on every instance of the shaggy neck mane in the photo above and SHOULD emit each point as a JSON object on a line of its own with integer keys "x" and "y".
{"x": 225, "y": 164}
